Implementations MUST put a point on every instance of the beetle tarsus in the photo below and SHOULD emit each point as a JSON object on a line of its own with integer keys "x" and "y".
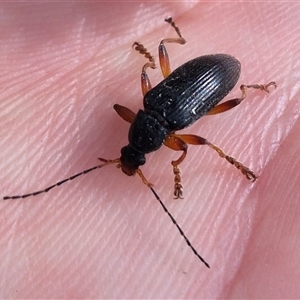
{"x": 139, "y": 47}
{"x": 178, "y": 187}
{"x": 262, "y": 87}
{"x": 250, "y": 175}
{"x": 245, "y": 170}
{"x": 172, "y": 23}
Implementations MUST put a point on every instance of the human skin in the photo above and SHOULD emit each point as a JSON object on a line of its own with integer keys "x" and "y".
{"x": 104, "y": 235}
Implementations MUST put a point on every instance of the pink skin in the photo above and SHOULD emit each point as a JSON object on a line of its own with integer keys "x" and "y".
{"x": 63, "y": 66}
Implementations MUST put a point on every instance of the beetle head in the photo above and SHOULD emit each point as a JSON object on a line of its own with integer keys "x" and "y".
{"x": 130, "y": 160}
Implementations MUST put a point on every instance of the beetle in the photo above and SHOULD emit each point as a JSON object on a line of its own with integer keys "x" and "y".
{"x": 191, "y": 91}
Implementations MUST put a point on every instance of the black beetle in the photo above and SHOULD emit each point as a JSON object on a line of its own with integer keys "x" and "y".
{"x": 191, "y": 91}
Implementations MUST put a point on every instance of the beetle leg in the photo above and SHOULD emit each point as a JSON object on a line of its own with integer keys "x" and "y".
{"x": 162, "y": 51}
{"x": 163, "y": 57}
{"x": 125, "y": 113}
{"x": 198, "y": 140}
{"x": 145, "y": 81}
{"x": 145, "y": 181}
{"x": 234, "y": 102}
{"x": 176, "y": 143}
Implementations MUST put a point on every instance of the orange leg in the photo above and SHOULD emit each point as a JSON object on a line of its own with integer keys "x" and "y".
{"x": 125, "y": 113}
{"x": 176, "y": 143}
{"x": 162, "y": 51}
{"x": 163, "y": 57}
{"x": 234, "y": 102}
{"x": 198, "y": 140}
{"x": 145, "y": 181}
{"x": 179, "y": 142}
{"x": 145, "y": 81}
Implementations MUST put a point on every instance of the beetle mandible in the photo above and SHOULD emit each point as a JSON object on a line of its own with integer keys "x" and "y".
{"x": 191, "y": 91}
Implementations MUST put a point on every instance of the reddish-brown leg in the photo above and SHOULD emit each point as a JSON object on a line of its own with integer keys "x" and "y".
{"x": 198, "y": 140}
{"x": 145, "y": 181}
{"x": 125, "y": 113}
{"x": 163, "y": 57}
{"x": 177, "y": 144}
{"x": 145, "y": 81}
{"x": 162, "y": 51}
{"x": 234, "y": 102}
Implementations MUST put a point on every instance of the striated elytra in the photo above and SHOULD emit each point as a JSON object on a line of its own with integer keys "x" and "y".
{"x": 186, "y": 95}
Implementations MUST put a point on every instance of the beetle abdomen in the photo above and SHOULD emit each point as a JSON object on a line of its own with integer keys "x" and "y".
{"x": 193, "y": 89}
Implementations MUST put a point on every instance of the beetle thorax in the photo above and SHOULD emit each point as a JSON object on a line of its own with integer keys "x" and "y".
{"x": 147, "y": 133}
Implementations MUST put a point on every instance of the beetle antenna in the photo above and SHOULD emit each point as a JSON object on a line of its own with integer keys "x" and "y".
{"x": 59, "y": 183}
{"x": 178, "y": 227}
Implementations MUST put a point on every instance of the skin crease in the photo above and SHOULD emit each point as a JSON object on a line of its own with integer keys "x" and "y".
{"x": 63, "y": 66}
